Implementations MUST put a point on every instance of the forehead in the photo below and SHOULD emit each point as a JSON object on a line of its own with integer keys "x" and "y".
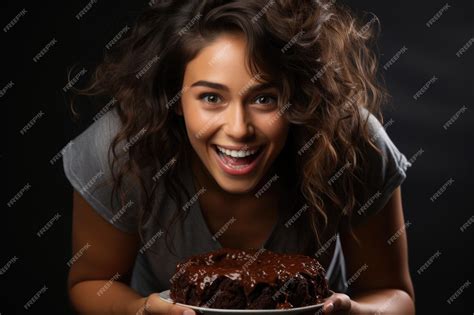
{"x": 223, "y": 61}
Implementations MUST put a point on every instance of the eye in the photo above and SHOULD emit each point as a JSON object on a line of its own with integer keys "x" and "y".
{"x": 265, "y": 100}
{"x": 210, "y": 98}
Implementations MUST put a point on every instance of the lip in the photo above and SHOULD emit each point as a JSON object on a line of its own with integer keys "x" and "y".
{"x": 241, "y": 147}
{"x": 243, "y": 171}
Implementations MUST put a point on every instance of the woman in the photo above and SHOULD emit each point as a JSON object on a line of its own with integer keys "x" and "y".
{"x": 242, "y": 124}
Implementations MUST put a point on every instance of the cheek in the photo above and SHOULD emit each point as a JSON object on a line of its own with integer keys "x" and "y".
{"x": 201, "y": 128}
{"x": 192, "y": 118}
{"x": 275, "y": 130}
{"x": 199, "y": 124}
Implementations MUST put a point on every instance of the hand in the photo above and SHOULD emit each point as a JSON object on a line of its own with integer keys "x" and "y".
{"x": 154, "y": 305}
{"x": 338, "y": 303}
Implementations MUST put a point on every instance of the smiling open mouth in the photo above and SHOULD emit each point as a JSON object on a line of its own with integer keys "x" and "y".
{"x": 238, "y": 162}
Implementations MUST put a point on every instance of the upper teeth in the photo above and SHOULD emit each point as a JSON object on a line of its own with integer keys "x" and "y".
{"x": 235, "y": 153}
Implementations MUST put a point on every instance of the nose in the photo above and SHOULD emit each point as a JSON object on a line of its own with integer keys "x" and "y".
{"x": 238, "y": 125}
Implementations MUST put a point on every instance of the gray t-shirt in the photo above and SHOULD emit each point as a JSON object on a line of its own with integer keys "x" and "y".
{"x": 85, "y": 165}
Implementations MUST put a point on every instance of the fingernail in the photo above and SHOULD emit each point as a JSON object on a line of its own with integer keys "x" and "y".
{"x": 329, "y": 308}
{"x": 188, "y": 312}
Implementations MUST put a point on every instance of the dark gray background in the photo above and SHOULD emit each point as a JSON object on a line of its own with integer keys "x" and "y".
{"x": 417, "y": 125}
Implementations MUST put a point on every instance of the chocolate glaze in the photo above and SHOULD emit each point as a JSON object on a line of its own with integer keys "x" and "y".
{"x": 249, "y": 279}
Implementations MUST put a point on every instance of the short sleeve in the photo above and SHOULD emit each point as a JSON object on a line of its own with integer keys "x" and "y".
{"x": 386, "y": 172}
{"x": 85, "y": 162}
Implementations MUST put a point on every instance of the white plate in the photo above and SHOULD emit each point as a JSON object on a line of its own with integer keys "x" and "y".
{"x": 165, "y": 296}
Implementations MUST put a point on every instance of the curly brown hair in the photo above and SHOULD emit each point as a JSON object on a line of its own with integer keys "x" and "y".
{"x": 321, "y": 57}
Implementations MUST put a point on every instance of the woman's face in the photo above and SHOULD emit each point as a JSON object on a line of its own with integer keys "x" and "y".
{"x": 232, "y": 118}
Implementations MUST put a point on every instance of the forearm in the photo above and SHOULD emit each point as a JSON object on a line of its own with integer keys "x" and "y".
{"x": 89, "y": 297}
{"x": 388, "y": 301}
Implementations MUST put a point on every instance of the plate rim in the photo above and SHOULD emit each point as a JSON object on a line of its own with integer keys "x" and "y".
{"x": 225, "y": 310}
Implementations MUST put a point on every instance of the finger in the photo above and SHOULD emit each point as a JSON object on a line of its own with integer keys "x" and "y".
{"x": 342, "y": 302}
{"x": 336, "y": 302}
{"x": 155, "y": 305}
{"x": 328, "y": 307}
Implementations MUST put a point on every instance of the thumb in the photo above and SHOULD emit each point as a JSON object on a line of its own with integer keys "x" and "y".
{"x": 155, "y": 305}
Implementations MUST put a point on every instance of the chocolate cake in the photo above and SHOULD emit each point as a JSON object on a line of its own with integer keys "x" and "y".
{"x": 252, "y": 279}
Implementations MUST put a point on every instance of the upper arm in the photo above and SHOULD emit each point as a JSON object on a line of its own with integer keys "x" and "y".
{"x": 102, "y": 249}
{"x": 375, "y": 262}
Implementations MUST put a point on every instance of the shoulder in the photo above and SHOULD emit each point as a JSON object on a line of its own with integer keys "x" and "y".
{"x": 389, "y": 159}
{"x": 93, "y": 143}
{"x": 86, "y": 166}
{"x": 386, "y": 167}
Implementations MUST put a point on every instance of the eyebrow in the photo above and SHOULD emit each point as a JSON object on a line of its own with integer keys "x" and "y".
{"x": 219, "y": 86}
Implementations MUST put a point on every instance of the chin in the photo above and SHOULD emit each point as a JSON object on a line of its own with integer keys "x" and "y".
{"x": 236, "y": 187}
